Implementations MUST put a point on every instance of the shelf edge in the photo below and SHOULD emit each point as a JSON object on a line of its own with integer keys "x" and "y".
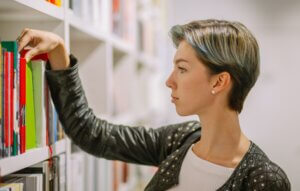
{"x": 29, "y": 158}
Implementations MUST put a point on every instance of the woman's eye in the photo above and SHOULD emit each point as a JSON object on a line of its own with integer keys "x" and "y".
{"x": 182, "y": 70}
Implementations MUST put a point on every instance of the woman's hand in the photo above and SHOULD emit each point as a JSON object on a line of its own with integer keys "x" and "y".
{"x": 39, "y": 42}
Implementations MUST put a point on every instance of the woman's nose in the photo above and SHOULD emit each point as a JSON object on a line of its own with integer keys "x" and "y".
{"x": 170, "y": 82}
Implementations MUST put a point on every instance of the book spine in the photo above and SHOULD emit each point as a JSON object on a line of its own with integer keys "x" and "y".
{"x": 30, "y": 112}
{"x": 7, "y": 103}
{"x": 22, "y": 104}
{"x": 16, "y": 104}
{"x": 11, "y": 104}
{"x": 39, "y": 99}
{"x": 1, "y": 105}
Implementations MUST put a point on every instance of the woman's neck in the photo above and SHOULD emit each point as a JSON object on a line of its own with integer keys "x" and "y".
{"x": 222, "y": 141}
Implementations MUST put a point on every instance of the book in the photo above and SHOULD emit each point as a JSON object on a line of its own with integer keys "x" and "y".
{"x": 13, "y": 184}
{"x": 1, "y": 105}
{"x": 32, "y": 182}
{"x": 53, "y": 122}
{"x": 5, "y": 189}
{"x": 71, "y": 4}
{"x": 48, "y": 175}
{"x": 123, "y": 19}
{"x": 35, "y": 101}
{"x": 44, "y": 114}
{"x": 29, "y": 112}
{"x": 11, "y": 46}
{"x": 55, "y": 2}
{"x": 11, "y": 101}
{"x": 40, "y": 168}
{"x": 55, "y": 174}
{"x": 58, "y": 3}
{"x": 8, "y": 129}
{"x": 38, "y": 70}
{"x": 60, "y": 131}
{"x": 22, "y": 104}
{"x": 77, "y": 8}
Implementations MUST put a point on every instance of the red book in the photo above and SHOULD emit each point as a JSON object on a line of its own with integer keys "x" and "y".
{"x": 37, "y": 57}
{"x": 22, "y": 103}
{"x": 47, "y": 115}
{"x": 6, "y": 99}
{"x": 11, "y": 109}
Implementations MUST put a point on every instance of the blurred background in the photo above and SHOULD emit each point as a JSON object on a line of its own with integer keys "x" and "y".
{"x": 271, "y": 114}
{"x": 125, "y": 56}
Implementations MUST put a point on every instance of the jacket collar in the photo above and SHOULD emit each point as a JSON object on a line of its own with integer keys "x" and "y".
{"x": 168, "y": 171}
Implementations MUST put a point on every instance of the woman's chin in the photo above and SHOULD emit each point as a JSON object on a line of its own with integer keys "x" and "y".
{"x": 183, "y": 113}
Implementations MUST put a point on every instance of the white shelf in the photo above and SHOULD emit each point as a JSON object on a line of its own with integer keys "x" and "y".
{"x": 81, "y": 30}
{"x": 29, "y": 158}
{"x": 147, "y": 59}
{"x": 30, "y": 10}
{"x": 98, "y": 52}
{"x": 121, "y": 45}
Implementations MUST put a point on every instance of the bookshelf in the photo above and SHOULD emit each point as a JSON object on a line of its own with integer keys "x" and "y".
{"x": 28, "y": 10}
{"x": 31, "y": 157}
{"x": 81, "y": 30}
{"x": 120, "y": 45}
{"x": 115, "y": 71}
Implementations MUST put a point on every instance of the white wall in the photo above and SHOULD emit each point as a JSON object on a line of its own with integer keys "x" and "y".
{"x": 271, "y": 113}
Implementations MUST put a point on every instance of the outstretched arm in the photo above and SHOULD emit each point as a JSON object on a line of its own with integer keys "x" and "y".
{"x": 95, "y": 136}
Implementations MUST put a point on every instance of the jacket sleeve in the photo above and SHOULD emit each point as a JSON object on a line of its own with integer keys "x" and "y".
{"x": 98, "y": 137}
{"x": 268, "y": 177}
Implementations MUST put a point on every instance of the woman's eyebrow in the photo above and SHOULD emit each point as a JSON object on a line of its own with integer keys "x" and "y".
{"x": 180, "y": 60}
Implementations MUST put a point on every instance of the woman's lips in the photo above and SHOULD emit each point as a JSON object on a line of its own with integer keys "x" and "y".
{"x": 174, "y": 99}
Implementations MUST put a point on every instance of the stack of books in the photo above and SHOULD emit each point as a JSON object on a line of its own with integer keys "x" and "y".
{"x": 49, "y": 175}
{"x": 123, "y": 19}
{"x": 28, "y": 118}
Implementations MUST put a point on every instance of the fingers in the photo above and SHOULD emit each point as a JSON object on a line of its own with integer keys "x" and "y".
{"x": 31, "y": 53}
{"x": 37, "y": 42}
{"x": 24, "y": 39}
{"x": 22, "y": 34}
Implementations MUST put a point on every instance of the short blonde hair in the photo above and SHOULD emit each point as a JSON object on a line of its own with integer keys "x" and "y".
{"x": 224, "y": 46}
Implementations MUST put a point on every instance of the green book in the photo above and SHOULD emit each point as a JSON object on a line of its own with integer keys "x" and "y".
{"x": 12, "y": 46}
{"x": 29, "y": 113}
{"x": 38, "y": 77}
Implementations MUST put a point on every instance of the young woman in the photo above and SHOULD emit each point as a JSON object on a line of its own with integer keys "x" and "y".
{"x": 215, "y": 66}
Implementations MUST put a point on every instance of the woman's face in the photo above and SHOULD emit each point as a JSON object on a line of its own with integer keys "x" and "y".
{"x": 189, "y": 82}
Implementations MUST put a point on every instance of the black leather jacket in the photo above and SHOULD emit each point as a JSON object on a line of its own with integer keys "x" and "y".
{"x": 164, "y": 147}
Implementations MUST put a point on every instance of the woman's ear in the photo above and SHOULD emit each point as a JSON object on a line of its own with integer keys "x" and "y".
{"x": 221, "y": 82}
